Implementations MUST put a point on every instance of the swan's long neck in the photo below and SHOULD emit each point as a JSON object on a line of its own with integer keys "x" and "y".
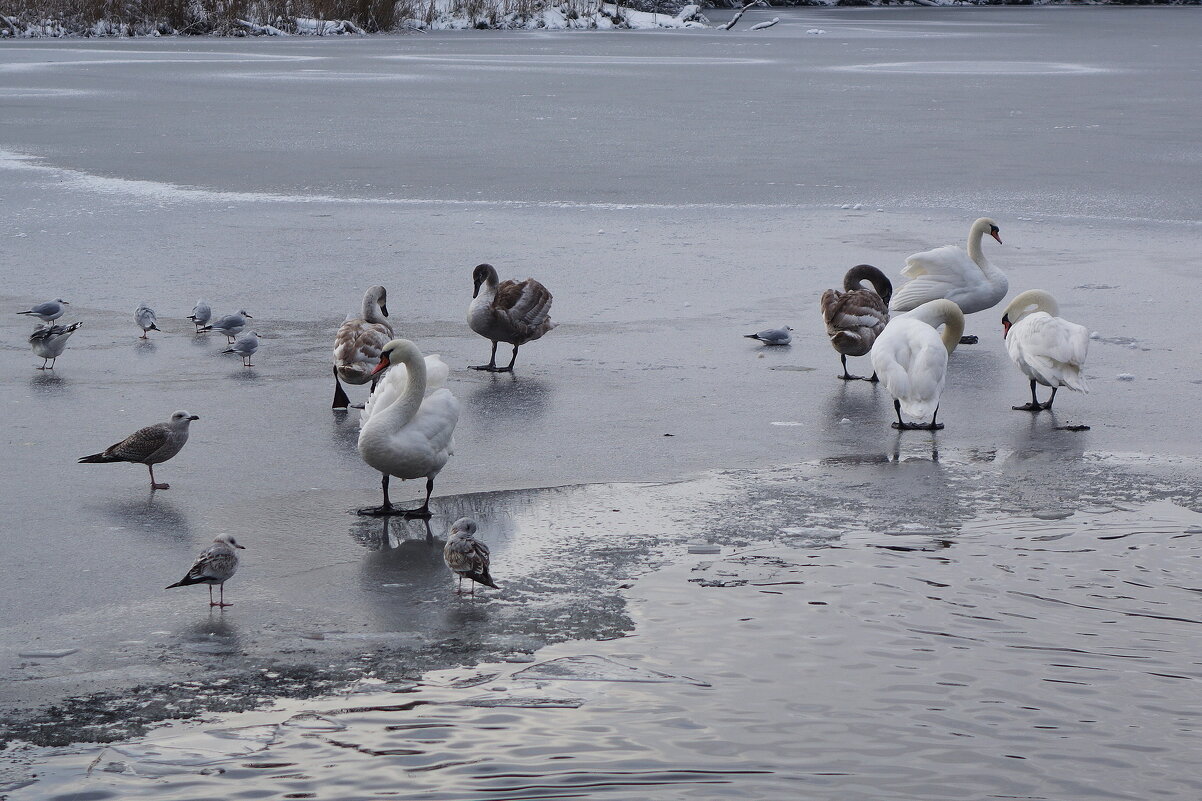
{"x": 372, "y": 312}
{"x": 866, "y": 272}
{"x": 1031, "y": 301}
{"x": 974, "y": 248}
{"x": 402, "y": 410}
{"x": 944, "y": 313}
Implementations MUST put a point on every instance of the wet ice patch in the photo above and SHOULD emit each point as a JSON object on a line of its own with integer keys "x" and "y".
{"x": 974, "y": 68}
{"x": 557, "y": 61}
{"x": 591, "y": 667}
{"x": 201, "y": 748}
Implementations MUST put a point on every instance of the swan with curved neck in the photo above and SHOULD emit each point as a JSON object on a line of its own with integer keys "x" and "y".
{"x": 1047, "y": 348}
{"x": 962, "y": 276}
{"x": 358, "y": 344}
{"x": 910, "y": 356}
{"x": 516, "y": 312}
{"x": 855, "y": 317}
{"x": 405, "y": 432}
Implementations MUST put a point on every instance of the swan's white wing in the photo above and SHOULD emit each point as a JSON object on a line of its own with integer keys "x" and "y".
{"x": 1050, "y": 349}
{"x": 937, "y": 273}
{"x": 436, "y": 419}
{"x": 392, "y": 386}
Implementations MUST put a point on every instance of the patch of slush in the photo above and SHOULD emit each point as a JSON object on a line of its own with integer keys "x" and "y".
{"x": 975, "y": 68}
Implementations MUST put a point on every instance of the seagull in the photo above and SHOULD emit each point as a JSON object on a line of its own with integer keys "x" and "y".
{"x": 145, "y": 317}
{"x": 49, "y": 342}
{"x": 466, "y": 556}
{"x": 215, "y": 565}
{"x": 149, "y": 446}
{"x": 201, "y": 314}
{"x": 231, "y": 325}
{"x": 773, "y": 336}
{"x": 245, "y": 346}
{"x": 508, "y": 311}
{"x": 49, "y": 311}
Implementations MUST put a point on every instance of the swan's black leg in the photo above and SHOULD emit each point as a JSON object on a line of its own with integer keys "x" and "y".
{"x": 387, "y": 508}
{"x": 873, "y": 378}
{"x": 424, "y": 510}
{"x": 1034, "y": 405}
{"x": 900, "y": 425}
{"x": 1048, "y": 405}
{"x": 512, "y": 359}
{"x": 341, "y": 401}
{"x": 846, "y": 375}
{"x": 492, "y": 361}
{"x": 934, "y": 426}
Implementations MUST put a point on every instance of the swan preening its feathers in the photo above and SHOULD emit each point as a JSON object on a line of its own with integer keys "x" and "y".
{"x": 964, "y": 277}
{"x": 1048, "y": 349}
{"x": 855, "y": 317}
{"x": 507, "y": 311}
{"x": 406, "y": 431}
{"x": 910, "y": 357}
{"x": 359, "y": 342}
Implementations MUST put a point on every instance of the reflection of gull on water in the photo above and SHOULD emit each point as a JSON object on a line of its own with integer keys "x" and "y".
{"x": 215, "y": 565}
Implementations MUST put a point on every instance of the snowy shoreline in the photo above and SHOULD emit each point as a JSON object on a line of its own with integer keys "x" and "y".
{"x": 262, "y": 19}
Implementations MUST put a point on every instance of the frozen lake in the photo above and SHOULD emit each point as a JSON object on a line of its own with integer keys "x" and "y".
{"x": 999, "y": 591}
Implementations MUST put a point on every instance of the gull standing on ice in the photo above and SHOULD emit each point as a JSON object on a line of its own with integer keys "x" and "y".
{"x": 146, "y": 319}
{"x": 49, "y": 342}
{"x": 773, "y": 336}
{"x": 1048, "y": 349}
{"x": 202, "y": 312}
{"x": 245, "y": 346}
{"x": 215, "y": 565}
{"x": 466, "y": 556}
{"x": 149, "y": 446}
{"x": 358, "y": 344}
{"x": 507, "y": 311}
{"x": 49, "y": 311}
{"x": 231, "y": 325}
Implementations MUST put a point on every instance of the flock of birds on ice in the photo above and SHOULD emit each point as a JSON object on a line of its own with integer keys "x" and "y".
{"x": 408, "y": 421}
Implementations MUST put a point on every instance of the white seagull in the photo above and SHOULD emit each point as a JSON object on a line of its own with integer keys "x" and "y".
{"x": 773, "y": 336}
{"x": 49, "y": 342}
{"x": 358, "y": 344}
{"x": 231, "y": 325}
{"x": 49, "y": 311}
{"x": 1048, "y": 349}
{"x": 466, "y": 556}
{"x": 145, "y": 317}
{"x": 910, "y": 357}
{"x": 149, "y": 446}
{"x": 245, "y": 346}
{"x": 202, "y": 312}
{"x": 507, "y": 311}
{"x": 215, "y": 565}
{"x": 403, "y": 431}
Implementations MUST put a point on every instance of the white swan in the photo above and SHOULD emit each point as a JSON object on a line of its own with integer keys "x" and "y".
{"x": 358, "y": 344}
{"x": 964, "y": 277}
{"x": 1049, "y": 349}
{"x": 910, "y": 357}
{"x": 516, "y": 312}
{"x": 404, "y": 431}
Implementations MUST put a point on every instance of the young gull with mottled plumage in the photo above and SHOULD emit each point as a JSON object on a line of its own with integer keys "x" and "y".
{"x": 215, "y": 565}
{"x": 466, "y": 556}
{"x": 149, "y": 446}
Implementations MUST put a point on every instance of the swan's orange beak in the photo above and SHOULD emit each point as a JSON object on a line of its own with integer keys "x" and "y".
{"x": 994, "y": 233}
{"x": 1005, "y": 328}
{"x": 382, "y": 365}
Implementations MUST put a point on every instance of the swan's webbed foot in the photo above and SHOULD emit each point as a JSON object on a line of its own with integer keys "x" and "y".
{"x": 917, "y": 426}
{"x": 970, "y": 339}
{"x": 1081, "y": 427}
{"x": 488, "y": 368}
{"x": 379, "y": 511}
{"x": 1029, "y": 407}
{"x": 849, "y": 377}
{"x": 873, "y": 379}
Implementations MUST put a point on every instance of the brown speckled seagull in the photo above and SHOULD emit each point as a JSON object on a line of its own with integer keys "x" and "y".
{"x": 149, "y": 446}
{"x": 215, "y": 565}
{"x": 507, "y": 311}
{"x": 856, "y": 317}
{"x": 359, "y": 342}
{"x": 466, "y": 556}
